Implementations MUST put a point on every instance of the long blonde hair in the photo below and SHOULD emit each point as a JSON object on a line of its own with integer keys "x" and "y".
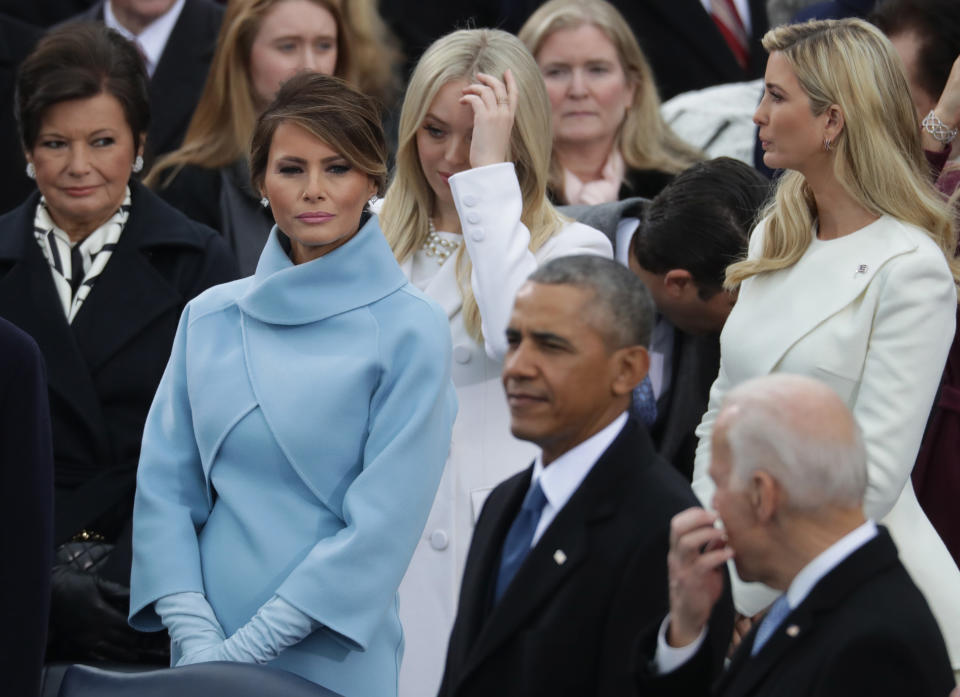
{"x": 645, "y": 140}
{"x": 878, "y": 159}
{"x": 375, "y": 55}
{"x": 410, "y": 200}
{"x": 219, "y": 132}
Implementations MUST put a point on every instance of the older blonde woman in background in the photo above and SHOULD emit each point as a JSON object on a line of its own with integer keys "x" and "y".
{"x": 609, "y": 140}
{"x": 468, "y": 218}
{"x": 850, "y": 276}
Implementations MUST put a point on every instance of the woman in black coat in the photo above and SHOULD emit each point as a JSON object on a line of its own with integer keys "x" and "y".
{"x": 97, "y": 270}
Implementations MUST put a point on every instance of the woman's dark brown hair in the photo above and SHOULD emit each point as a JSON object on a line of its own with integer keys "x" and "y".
{"x": 332, "y": 111}
{"x": 78, "y": 61}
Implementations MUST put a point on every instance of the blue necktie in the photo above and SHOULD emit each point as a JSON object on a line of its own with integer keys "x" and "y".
{"x": 768, "y": 625}
{"x": 517, "y": 543}
{"x": 644, "y": 407}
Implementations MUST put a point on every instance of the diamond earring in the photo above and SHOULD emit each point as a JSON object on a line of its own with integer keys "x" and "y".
{"x": 137, "y": 164}
{"x": 265, "y": 202}
{"x": 31, "y": 170}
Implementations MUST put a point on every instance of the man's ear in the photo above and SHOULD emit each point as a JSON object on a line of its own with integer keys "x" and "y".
{"x": 630, "y": 366}
{"x": 765, "y": 496}
{"x": 678, "y": 282}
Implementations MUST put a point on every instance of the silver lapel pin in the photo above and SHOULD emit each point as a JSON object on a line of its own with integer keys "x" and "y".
{"x": 559, "y": 557}
{"x": 863, "y": 268}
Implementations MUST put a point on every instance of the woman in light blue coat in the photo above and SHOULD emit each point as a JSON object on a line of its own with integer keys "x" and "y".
{"x": 298, "y": 436}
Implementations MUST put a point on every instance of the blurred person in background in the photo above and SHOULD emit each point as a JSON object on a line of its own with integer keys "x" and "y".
{"x": 609, "y": 140}
{"x": 176, "y": 39}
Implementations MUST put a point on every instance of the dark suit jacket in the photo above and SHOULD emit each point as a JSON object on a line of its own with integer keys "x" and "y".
{"x": 865, "y": 629}
{"x": 694, "y": 366}
{"x": 567, "y": 623}
{"x": 26, "y": 504}
{"x": 686, "y": 49}
{"x": 16, "y": 42}
{"x": 103, "y": 369}
{"x": 180, "y": 75}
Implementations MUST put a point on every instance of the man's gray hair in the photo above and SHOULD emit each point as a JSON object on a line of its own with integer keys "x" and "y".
{"x": 621, "y": 308}
{"x": 801, "y": 433}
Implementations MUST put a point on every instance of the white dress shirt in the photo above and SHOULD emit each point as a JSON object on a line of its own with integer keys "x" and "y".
{"x": 563, "y": 476}
{"x": 669, "y": 658}
{"x": 153, "y": 38}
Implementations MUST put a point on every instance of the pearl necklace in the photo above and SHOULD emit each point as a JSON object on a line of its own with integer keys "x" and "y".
{"x": 436, "y": 246}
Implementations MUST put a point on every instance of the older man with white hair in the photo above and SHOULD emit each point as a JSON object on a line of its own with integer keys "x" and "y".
{"x": 790, "y": 472}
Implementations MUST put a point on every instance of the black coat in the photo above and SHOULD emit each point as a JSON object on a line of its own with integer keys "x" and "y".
{"x": 16, "y": 41}
{"x": 26, "y": 503}
{"x": 567, "y": 624}
{"x": 103, "y": 369}
{"x": 684, "y": 46}
{"x": 180, "y": 74}
{"x": 224, "y": 199}
{"x": 864, "y": 629}
{"x": 695, "y": 362}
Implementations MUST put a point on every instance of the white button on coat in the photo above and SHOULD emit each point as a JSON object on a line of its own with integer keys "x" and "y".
{"x": 473, "y": 217}
{"x": 477, "y": 234}
{"x": 439, "y": 540}
{"x": 470, "y": 200}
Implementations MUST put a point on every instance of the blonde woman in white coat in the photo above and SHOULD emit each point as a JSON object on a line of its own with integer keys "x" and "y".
{"x": 468, "y": 219}
{"x": 850, "y": 276}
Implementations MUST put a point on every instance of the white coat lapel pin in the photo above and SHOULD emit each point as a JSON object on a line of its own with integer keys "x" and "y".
{"x": 560, "y": 557}
{"x": 861, "y": 269}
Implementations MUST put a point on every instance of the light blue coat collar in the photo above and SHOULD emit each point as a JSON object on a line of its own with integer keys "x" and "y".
{"x": 359, "y": 273}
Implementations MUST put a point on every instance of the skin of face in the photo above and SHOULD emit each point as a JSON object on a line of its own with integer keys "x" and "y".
{"x": 731, "y": 501}
{"x": 588, "y": 89}
{"x": 316, "y": 195}
{"x": 83, "y": 158}
{"x": 561, "y": 379}
{"x": 908, "y": 45}
{"x": 677, "y": 297}
{"x": 791, "y": 136}
{"x": 443, "y": 139}
{"x": 294, "y": 36}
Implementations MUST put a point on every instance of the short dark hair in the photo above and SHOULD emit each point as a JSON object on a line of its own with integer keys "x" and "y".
{"x": 937, "y": 25}
{"x": 331, "y": 110}
{"x": 701, "y": 222}
{"x": 621, "y": 308}
{"x": 77, "y": 61}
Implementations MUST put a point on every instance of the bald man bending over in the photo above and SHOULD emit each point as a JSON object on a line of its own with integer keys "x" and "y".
{"x": 790, "y": 469}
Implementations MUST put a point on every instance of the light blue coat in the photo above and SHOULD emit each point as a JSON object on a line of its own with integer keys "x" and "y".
{"x": 294, "y": 448}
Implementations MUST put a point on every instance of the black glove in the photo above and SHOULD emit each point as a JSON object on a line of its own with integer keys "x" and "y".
{"x": 88, "y": 615}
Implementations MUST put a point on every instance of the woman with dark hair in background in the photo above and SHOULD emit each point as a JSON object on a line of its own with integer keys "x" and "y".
{"x": 299, "y": 432}
{"x": 97, "y": 270}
